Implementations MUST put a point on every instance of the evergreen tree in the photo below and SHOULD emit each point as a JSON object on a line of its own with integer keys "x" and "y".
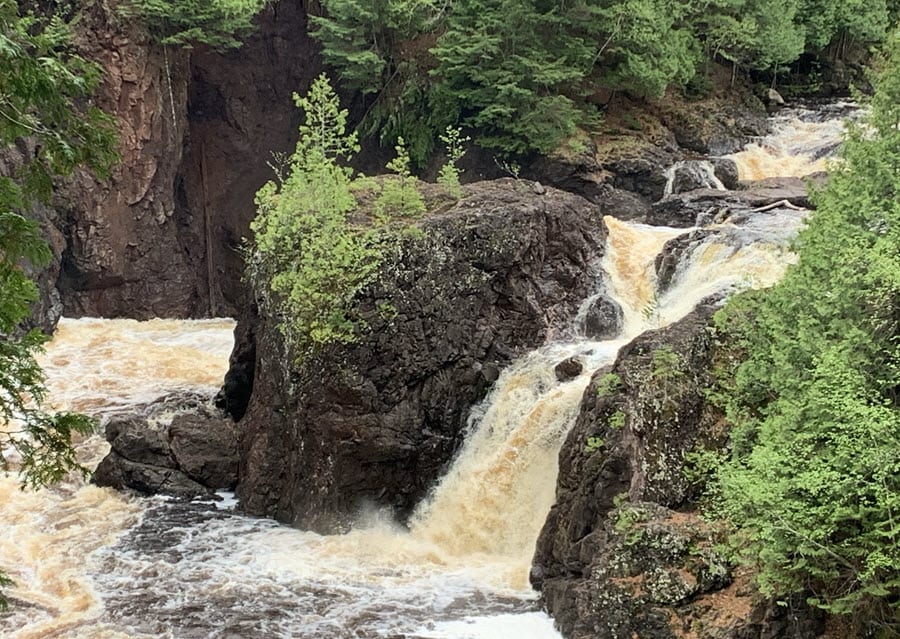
{"x": 381, "y": 48}
{"x": 216, "y": 23}
{"x": 505, "y": 68}
{"x": 308, "y": 254}
{"x": 644, "y": 46}
{"x": 814, "y": 482}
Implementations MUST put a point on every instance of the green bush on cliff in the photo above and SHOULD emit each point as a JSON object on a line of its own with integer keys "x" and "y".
{"x": 216, "y": 23}
{"x": 308, "y": 253}
{"x": 380, "y": 48}
{"x": 814, "y": 479}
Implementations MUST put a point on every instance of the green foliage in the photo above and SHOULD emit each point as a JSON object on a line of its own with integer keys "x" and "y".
{"x": 617, "y": 420}
{"x": 814, "y": 482}
{"x": 608, "y": 385}
{"x": 216, "y": 23}
{"x": 399, "y": 196}
{"x": 381, "y": 47}
{"x": 44, "y": 96}
{"x": 593, "y": 445}
{"x": 308, "y": 253}
{"x": 646, "y": 45}
{"x": 520, "y": 73}
{"x": 760, "y": 34}
{"x": 865, "y": 21}
{"x": 448, "y": 177}
{"x": 505, "y": 68}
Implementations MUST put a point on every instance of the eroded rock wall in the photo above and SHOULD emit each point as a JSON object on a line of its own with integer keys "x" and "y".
{"x": 624, "y": 552}
{"x": 161, "y": 236}
{"x": 127, "y": 251}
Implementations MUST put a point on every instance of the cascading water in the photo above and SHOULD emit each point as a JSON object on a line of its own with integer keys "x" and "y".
{"x": 92, "y": 563}
{"x": 89, "y": 562}
{"x": 691, "y": 174}
{"x": 801, "y": 143}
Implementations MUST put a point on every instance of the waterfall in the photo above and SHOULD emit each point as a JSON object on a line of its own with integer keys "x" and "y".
{"x": 802, "y": 142}
{"x": 459, "y": 570}
{"x": 688, "y": 175}
{"x": 92, "y": 563}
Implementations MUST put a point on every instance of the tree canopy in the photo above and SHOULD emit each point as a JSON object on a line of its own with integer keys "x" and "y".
{"x": 518, "y": 73}
{"x": 216, "y": 23}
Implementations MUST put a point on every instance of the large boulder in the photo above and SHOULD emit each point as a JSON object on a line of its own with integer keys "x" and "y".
{"x": 374, "y": 423}
{"x": 179, "y": 446}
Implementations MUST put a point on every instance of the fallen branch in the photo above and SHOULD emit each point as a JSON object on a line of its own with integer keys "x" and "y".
{"x": 774, "y": 205}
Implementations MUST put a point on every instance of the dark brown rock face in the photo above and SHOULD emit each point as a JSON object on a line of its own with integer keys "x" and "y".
{"x": 127, "y": 252}
{"x": 623, "y": 553}
{"x": 240, "y": 113}
{"x": 197, "y": 129}
{"x": 375, "y": 422}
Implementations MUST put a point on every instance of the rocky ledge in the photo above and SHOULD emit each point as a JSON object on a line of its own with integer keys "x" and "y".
{"x": 623, "y": 552}
{"x": 374, "y": 423}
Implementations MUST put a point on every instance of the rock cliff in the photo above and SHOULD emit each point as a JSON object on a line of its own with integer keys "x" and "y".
{"x": 375, "y": 422}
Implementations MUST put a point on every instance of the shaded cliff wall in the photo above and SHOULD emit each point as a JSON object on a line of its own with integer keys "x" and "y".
{"x": 161, "y": 235}
{"x": 113, "y": 262}
{"x": 240, "y": 113}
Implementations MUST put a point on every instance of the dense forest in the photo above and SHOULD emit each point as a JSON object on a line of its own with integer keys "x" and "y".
{"x": 811, "y": 485}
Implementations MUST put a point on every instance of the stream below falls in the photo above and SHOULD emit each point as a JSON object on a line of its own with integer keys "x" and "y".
{"x": 92, "y": 563}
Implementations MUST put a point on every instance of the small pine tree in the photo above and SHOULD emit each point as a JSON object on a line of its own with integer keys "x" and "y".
{"x": 399, "y": 196}
{"x": 307, "y": 254}
{"x": 448, "y": 177}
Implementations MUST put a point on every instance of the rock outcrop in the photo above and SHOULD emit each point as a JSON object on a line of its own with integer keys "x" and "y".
{"x": 623, "y": 552}
{"x": 704, "y": 206}
{"x": 375, "y": 422}
{"x": 179, "y": 446}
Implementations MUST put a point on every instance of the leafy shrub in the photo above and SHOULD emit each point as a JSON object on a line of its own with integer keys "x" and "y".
{"x": 814, "y": 479}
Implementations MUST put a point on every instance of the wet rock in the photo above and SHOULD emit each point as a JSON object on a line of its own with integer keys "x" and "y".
{"x": 704, "y": 206}
{"x": 693, "y": 175}
{"x": 179, "y": 446}
{"x": 726, "y": 170}
{"x": 720, "y": 127}
{"x": 603, "y": 319}
{"x": 568, "y": 369}
{"x": 640, "y": 175}
{"x": 773, "y": 98}
{"x": 116, "y": 471}
{"x": 376, "y": 422}
{"x": 205, "y": 448}
{"x": 623, "y": 552}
